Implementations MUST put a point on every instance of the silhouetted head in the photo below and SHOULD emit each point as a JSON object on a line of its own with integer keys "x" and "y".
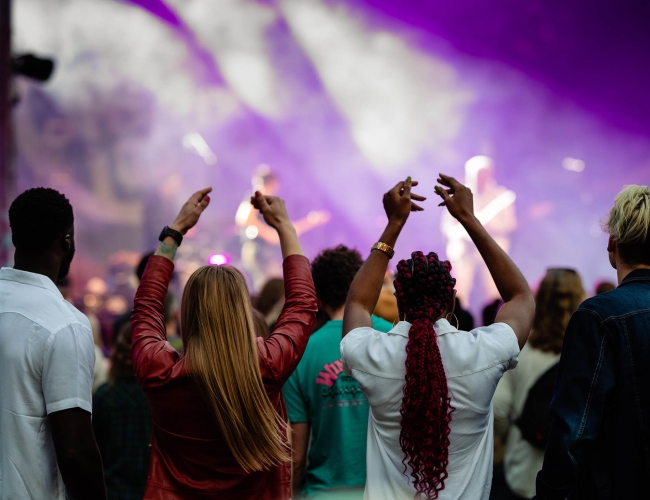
{"x": 333, "y": 271}
{"x": 42, "y": 228}
{"x": 425, "y": 293}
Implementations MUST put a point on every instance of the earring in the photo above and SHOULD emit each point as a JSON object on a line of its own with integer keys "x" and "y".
{"x": 457, "y": 322}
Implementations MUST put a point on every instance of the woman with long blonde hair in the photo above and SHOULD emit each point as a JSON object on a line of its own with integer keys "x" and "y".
{"x": 219, "y": 420}
{"x": 558, "y": 296}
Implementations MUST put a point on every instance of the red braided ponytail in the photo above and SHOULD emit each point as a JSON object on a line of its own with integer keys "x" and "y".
{"x": 424, "y": 288}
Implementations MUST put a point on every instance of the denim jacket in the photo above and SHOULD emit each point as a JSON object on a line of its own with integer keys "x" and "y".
{"x": 599, "y": 443}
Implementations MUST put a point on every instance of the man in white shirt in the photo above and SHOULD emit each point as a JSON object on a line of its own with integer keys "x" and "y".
{"x": 47, "y": 445}
{"x": 400, "y": 376}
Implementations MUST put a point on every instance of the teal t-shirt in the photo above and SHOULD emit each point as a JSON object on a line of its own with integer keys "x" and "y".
{"x": 319, "y": 393}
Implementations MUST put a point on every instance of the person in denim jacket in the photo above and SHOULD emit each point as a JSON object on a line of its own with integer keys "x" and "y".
{"x": 599, "y": 443}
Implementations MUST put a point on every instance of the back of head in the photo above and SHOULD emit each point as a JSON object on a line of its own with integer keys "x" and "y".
{"x": 272, "y": 293}
{"x": 37, "y": 218}
{"x": 121, "y": 365}
{"x": 424, "y": 289}
{"x": 558, "y": 296}
{"x": 142, "y": 265}
{"x": 221, "y": 357}
{"x": 628, "y": 222}
{"x": 333, "y": 271}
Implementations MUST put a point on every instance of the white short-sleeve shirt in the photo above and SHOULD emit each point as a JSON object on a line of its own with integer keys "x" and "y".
{"x": 47, "y": 358}
{"x": 473, "y": 361}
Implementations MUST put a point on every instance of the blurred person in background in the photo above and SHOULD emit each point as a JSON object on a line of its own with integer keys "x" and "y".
{"x": 559, "y": 295}
{"x": 122, "y": 425}
{"x": 599, "y": 441}
{"x": 270, "y": 301}
{"x": 327, "y": 410}
{"x": 100, "y": 370}
{"x": 386, "y": 307}
{"x": 494, "y": 206}
{"x": 125, "y": 318}
{"x": 490, "y": 311}
{"x": 259, "y": 241}
{"x": 430, "y": 385}
{"x": 604, "y": 286}
{"x": 47, "y": 355}
{"x": 219, "y": 419}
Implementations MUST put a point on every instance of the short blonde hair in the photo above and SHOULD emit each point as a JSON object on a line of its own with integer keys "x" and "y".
{"x": 628, "y": 222}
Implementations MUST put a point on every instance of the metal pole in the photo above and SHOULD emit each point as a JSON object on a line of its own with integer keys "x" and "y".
{"x": 6, "y": 167}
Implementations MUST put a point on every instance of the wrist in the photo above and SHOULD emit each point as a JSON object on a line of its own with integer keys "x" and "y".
{"x": 468, "y": 219}
{"x": 285, "y": 228}
{"x": 178, "y": 227}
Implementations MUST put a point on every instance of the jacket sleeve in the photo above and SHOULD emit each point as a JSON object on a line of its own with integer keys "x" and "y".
{"x": 586, "y": 376}
{"x": 281, "y": 352}
{"x": 153, "y": 357}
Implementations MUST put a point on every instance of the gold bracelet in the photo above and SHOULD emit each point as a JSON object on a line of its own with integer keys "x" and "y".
{"x": 387, "y": 249}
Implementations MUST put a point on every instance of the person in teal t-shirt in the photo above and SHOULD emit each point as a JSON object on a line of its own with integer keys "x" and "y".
{"x": 325, "y": 403}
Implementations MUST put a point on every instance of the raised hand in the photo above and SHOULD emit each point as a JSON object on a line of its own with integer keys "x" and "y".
{"x": 191, "y": 211}
{"x": 272, "y": 209}
{"x": 458, "y": 198}
{"x": 398, "y": 202}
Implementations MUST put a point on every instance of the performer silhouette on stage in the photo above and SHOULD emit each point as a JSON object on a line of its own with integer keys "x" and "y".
{"x": 260, "y": 256}
{"x": 494, "y": 206}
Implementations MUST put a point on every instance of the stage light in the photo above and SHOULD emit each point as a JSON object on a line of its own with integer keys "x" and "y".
{"x": 252, "y": 232}
{"x": 32, "y": 67}
{"x": 219, "y": 259}
{"x": 196, "y": 143}
{"x": 573, "y": 164}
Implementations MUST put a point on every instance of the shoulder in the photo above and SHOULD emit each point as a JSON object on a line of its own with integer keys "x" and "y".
{"x": 381, "y": 324}
{"x": 480, "y": 349}
{"x": 375, "y": 352}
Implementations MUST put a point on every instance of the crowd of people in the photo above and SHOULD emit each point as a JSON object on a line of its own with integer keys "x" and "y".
{"x": 334, "y": 382}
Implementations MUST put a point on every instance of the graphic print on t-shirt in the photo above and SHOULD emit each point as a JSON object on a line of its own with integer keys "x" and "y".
{"x": 338, "y": 390}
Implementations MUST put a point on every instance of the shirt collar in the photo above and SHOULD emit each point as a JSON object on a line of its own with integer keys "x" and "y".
{"x": 442, "y": 327}
{"x": 637, "y": 275}
{"x": 27, "y": 278}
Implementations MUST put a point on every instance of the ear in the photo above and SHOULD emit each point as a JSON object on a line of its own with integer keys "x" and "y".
{"x": 611, "y": 244}
{"x": 66, "y": 242}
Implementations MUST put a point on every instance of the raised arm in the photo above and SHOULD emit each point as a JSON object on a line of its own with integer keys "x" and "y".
{"x": 149, "y": 335}
{"x": 519, "y": 307}
{"x": 366, "y": 286}
{"x": 280, "y": 353}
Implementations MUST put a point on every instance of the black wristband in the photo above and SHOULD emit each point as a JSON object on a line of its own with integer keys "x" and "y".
{"x": 168, "y": 231}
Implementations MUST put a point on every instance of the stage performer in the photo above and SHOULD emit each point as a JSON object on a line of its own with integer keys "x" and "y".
{"x": 219, "y": 420}
{"x": 259, "y": 241}
{"x": 494, "y": 206}
{"x": 429, "y": 385}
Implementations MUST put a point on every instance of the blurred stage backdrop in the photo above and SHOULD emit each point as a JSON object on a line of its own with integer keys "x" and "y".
{"x": 153, "y": 99}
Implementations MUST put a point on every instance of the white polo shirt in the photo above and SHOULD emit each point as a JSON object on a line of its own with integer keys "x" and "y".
{"x": 47, "y": 357}
{"x": 473, "y": 361}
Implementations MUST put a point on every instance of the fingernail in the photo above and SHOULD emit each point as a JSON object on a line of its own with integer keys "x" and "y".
{"x": 408, "y": 179}
{"x": 437, "y": 189}
{"x": 257, "y": 193}
{"x": 207, "y": 199}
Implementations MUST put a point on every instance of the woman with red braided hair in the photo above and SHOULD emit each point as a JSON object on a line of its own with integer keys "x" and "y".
{"x": 428, "y": 384}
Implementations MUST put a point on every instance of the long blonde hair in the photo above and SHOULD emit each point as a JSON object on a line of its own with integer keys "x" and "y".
{"x": 559, "y": 295}
{"x": 221, "y": 357}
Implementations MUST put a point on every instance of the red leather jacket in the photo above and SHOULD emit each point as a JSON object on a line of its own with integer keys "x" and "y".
{"x": 189, "y": 457}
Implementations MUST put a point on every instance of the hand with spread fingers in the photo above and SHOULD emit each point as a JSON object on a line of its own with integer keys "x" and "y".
{"x": 458, "y": 198}
{"x": 398, "y": 202}
{"x": 191, "y": 211}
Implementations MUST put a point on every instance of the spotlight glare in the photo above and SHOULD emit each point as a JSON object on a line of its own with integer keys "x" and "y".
{"x": 219, "y": 259}
{"x": 573, "y": 164}
{"x": 252, "y": 232}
